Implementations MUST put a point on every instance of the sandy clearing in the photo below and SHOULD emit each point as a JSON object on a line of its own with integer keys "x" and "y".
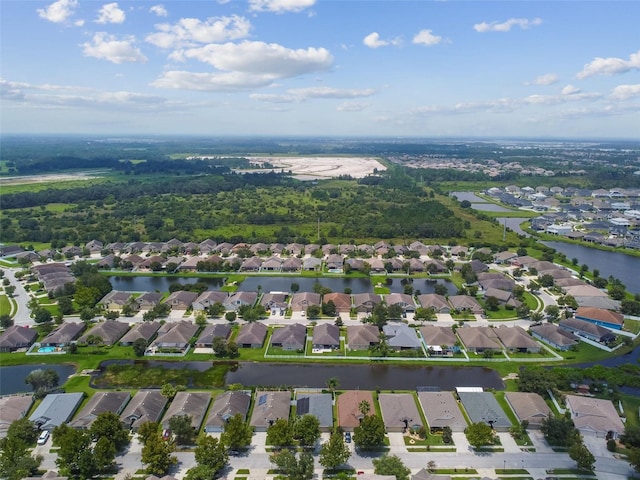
{"x": 309, "y": 168}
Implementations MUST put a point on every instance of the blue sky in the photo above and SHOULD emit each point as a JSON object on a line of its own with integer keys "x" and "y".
{"x": 313, "y": 67}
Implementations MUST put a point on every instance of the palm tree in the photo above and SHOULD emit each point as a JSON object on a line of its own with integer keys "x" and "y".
{"x": 333, "y": 383}
{"x": 364, "y": 407}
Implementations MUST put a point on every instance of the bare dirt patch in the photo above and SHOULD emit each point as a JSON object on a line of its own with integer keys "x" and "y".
{"x": 48, "y": 178}
{"x": 312, "y": 168}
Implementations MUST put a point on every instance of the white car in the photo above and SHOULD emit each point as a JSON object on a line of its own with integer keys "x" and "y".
{"x": 44, "y": 436}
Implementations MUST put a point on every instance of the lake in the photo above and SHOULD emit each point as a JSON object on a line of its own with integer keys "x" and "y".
{"x": 621, "y": 266}
{"x": 276, "y": 284}
{"x": 12, "y": 378}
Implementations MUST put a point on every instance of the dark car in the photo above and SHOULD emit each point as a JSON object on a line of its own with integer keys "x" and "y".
{"x": 347, "y": 437}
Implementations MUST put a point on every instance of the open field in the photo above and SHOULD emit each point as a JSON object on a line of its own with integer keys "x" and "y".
{"x": 48, "y": 178}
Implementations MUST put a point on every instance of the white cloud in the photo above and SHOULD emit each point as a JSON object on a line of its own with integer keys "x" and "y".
{"x": 188, "y": 32}
{"x": 280, "y": 6}
{"x": 297, "y": 95}
{"x": 426, "y": 37}
{"x": 506, "y": 26}
{"x": 111, "y": 13}
{"x": 373, "y": 41}
{"x": 624, "y": 92}
{"x": 610, "y": 66}
{"x": 108, "y": 47}
{"x": 352, "y": 107}
{"x": 79, "y": 23}
{"x": 546, "y": 79}
{"x": 59, "y": 11}
{"x": 259, "y": 58}
{"x": 211, "y": 82}
{"x": 570, "y": 90}
{"x": 159, "y": 10}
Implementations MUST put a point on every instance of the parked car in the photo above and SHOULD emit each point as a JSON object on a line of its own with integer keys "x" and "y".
{"x": 347, "y": 437}
{"x": 44, "y": 436}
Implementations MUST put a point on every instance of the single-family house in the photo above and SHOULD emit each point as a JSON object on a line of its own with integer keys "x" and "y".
{"x": 555, "y": 336}
{"x": 269, "y": 407}
{"x": 342, "y": 301}
{"x": 399, "y": 411}
{"x": 100, "y": 402}
{"x": 588, "y": 330}
{"x": 516, "y": 339}
{"x": 435, "y": 301}
{"x": 224, "y": 407}
{"x": 145, "y": 330}
{"x": 441, "y": 410}
{"x": 601, "y": 317}
{"x": 504, "y": 257}
{"x": 274, "y": 302}
{"x": 63, "y": 335}
{"x": 320, "y": 405}
{"x": 12, "y": 408}
{"x": 109, "y": 332}
{"x": 482, "y": 407}
{"x": 17, "y": 337}
{"x": 205, "y": 340}
{"x": 145, "y": 406}
{"x": 56, "y": 409}
{"x": 594, "y": 417}
{"x": 326, "y": 336}
{"x": 251, "y": 335}
{"x": 292, "y": 264}
{"x": 181, "y": 299}
{"x": 272, "y": 264}
{"x": 479, "y": 339}
{"x": 115, "y": 300}
{"x": 311, "y": 264}
{"x": 364, "y": 302}
{"x": 192, "y": 404}
{"x": 300, "y": 301}
{"x": 334, "y": 261}
{"x": 289, "y": 337}
{"x": 401, "y": 336}
{"x": 465, "y": 302}
{"x": 361, "y": 337}
{"x": 349, "y": 414}
{"x": 529, "y": 407}
{"x": 148, "y": 300}
{"x": 207, "y": 299}
{"x": 239, "y": 299}
{"x": 402, "y": 299}
{"x": 175, "y": 336}
{"x": 439, "y": 340}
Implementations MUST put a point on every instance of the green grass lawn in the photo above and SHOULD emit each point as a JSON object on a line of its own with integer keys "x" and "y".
{"x": 5, "y": 305}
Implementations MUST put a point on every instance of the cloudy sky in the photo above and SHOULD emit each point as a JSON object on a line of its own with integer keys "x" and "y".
{"x": 322, "y": 67}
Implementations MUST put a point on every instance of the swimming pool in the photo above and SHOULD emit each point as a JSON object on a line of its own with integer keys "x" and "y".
{"x": 46, "y": 349}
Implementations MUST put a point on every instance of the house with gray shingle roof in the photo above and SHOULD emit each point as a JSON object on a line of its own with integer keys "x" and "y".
{"x": 63, "y": 335}
{"x": 442, "y": 410}
{"x": 181, "y": 299}
{"x": 148, "y": 300}
{"x": 225, "y": 406}
{"x": 465, "y": 302}
{"x": 479, "y": 339}
{"x": 594, "y": 416}
{"x": 326, "y": 336}
{"x": 16, "y": 337}
{"x": 482, "y": 407}
{"x": 405, "y": 301}
{"x": 364, "y": 302}
{"x": 146, "y": 330}
{"x": 400, "y": 336}
{"x": 99, "y": 403}
{"x": 289, "y": 337}
{"x": 239, "y": 299}
{"x": 320, "y": 405}
{"x": 361, "y": 337}
{"x": 145, "y": 406}
{"x": 435, "y": 301}
{"x": 205, "y": 340}
{"x": 192, "y": 404}
{"x": 399, "y": 411}
{"x": 300, "y": 301}
{"x": 439, "y": 340}
{"x": 56, "y": 409}
{"x": 555, "y": 336}
{"x": 109, "y": 331}
{"x": 176, "y": 335}
{"x": 269, "y": 407}
{"x": 209, "y": 298}
{"x": 528, "y": 406}
{"x": 12, "y": 408}
{"x": 516, "y": 339}
{"x": 251, "y": 335}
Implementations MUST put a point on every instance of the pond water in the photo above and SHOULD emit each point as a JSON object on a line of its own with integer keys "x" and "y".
{"x": 276, "y": 284}
{"x": 12, "y": 378}
{"x": 489, "y": 207}
{"x": 513, "y": 223}
{"x": 621, "y": 266}
{"x": 469, "y": 196}
{"x": 368, "y": 377}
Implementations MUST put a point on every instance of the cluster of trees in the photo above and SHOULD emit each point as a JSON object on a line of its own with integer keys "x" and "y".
{"x": 562, "y": 432}
{"x": 16, "y": 461}
{"x": 85, "y": 454}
